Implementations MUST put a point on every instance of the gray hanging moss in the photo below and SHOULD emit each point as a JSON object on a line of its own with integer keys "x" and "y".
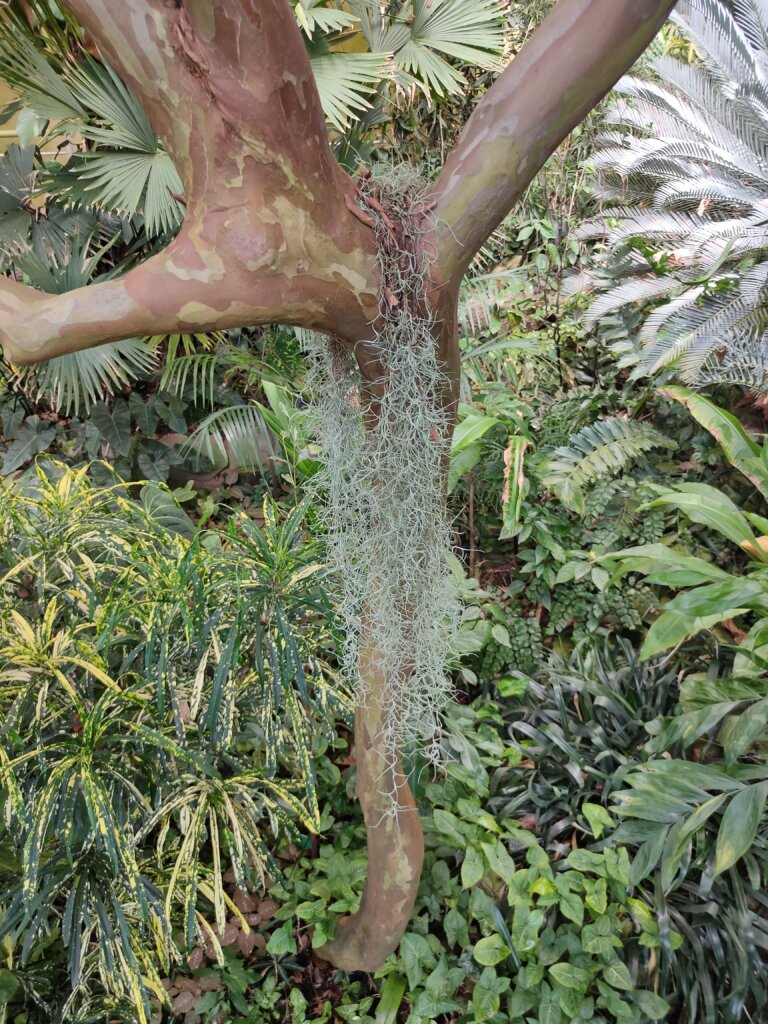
{"x": 386, "y": 450}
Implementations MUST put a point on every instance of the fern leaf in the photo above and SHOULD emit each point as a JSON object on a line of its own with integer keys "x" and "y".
{"x": 600, "y": 450}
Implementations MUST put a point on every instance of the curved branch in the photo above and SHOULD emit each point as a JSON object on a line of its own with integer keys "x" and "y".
{"x": 221, "y": 273}
{"x": 219, "y": 80}
{"x": 570, "y": 63}
{"x": 268, "y": 236}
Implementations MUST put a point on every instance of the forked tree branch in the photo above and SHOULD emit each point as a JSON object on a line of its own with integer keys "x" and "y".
{"x": 192, "y": 286}
{"x": 569, "y": 64}
{"x": 268, "y": 235}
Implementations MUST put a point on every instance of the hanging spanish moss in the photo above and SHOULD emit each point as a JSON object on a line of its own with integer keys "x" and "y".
{"x": 387, "y": 445}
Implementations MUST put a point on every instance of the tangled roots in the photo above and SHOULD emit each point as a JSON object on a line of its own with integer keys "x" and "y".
{"x": 386, "y": 451}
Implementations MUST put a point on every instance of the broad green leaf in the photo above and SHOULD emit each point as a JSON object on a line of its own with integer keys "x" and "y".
{"x": 491, "y": 951}
{"x": 739, "y": 826}
{"x": 695, "y": 610}
{"x": 739, "y": 448}
{"x": 653, "y": 1006}
{"x": 710, "y": 507}
{"x": 599, "y": 819}
{"x": 165, "y": 510}
{"x": 114, "y": 424}
{"x": 416, "y": 955}
{"x": 33, "y": 437}
{"x": 664, "y": 565}
{"x": 9, "y": 986}
{"x": 472, "y": 867}
{"x": 617, "y": 975}
{"x": 571, "y": 977}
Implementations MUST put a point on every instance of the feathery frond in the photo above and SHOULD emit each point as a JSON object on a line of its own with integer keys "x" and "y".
{"x": 683, "y": 170}
{"x": 598, "y": 450}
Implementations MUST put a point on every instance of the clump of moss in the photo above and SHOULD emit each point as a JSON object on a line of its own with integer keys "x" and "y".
{"x": 386, "y": 440}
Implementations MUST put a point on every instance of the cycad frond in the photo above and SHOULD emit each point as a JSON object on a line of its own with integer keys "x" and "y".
{"x": 684, "y": 189}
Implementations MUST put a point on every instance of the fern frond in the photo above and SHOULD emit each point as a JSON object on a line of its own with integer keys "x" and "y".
{"x": 599, "y": 450}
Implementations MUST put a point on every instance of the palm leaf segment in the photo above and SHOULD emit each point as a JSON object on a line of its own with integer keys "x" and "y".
{"x": 357, "y": 48}
{"x": 125, "y": 170}
{"x": 75, "y": 381}
{"x": 684, "y": 174}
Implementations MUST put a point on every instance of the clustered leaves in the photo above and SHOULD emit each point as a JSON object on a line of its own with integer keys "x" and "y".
{"x": 153, "y": 690}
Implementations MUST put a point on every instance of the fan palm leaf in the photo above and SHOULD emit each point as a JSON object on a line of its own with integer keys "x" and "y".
{"x": 77, "y": 380}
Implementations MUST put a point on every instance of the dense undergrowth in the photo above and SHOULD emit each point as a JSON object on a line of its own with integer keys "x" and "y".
{"x": 176, "y": 769}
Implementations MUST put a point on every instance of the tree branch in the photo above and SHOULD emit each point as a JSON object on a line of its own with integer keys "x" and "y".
{"x": 268, "y": 235}
{"x": 572, "y": 60}
{"x": 218, "y": 79}
{"x": 248, "y": 278}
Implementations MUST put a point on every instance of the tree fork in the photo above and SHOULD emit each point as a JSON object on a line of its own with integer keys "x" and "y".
{"x": 269, "y": 238}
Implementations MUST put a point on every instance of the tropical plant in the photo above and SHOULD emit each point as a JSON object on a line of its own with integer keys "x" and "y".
{"x": 708, "y": 594}
{"x": 682, "y": 177}
{"x": 155, "y": 685}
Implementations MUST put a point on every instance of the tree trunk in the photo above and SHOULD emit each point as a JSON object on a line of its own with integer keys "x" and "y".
{"x": 395, "y": 841}
{"x": 395, "y": 838}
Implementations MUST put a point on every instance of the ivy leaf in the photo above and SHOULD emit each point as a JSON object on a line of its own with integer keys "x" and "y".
{"x": 653, "y": 1006}
{"x": 491, "y": 951}
{"x": 282, "y": 941}
{"x": 472, "y": 868}
{"x": 599, "y": 819}
{"x": 571, "y": 977}
{"x": 572, "y": 907}
{"x": 416, "y": 955}
{"x": 456, "y": 928}
{"x": 617, "y": 975}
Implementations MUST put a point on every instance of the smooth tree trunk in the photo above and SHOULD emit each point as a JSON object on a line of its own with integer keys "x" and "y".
{"x": 395, "y": 840}
{"x": 270, "y": 237}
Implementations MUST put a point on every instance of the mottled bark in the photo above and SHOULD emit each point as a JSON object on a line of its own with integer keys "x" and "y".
{"x": 395, "y": 842}
{"x": 270, "y": 237}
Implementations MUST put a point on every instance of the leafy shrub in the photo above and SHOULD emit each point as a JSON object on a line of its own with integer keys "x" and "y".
{"x": 157, "y": 685}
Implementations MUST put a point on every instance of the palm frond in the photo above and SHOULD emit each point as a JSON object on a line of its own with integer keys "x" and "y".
{"x": 237, "y": 436}
{"x": 346, "y": 83}
{"x": 470, "y": 31}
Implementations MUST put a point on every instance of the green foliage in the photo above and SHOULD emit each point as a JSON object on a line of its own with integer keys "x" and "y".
{"x": 413, "y": 43}
{"x": 707, "y": 594}
{"x": 596, "y": 451}
{"x": 154, "y": 688}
